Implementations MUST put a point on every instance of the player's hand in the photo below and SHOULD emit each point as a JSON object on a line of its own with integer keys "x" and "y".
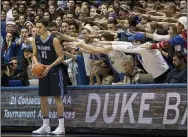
{"x": 46, "y": 71}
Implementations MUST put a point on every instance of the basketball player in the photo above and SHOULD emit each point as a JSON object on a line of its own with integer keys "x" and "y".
{"x": 48, "y": 51}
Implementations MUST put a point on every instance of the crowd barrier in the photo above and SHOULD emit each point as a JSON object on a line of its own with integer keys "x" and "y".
{"x": 110, "y": 109}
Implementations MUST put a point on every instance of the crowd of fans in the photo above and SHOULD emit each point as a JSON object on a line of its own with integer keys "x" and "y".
{"x": 105, "y": 42}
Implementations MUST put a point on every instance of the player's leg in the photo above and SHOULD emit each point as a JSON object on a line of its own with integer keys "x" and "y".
{"x": 45, "y": 111}
{"x": 45, "y": 128}
{"x": 57, "y": 92}
{"x": 60, "y": 109}
{"x": 59, "y": 105}
{"x": 44, "y": 93}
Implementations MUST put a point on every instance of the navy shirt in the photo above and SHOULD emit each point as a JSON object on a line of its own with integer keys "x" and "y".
{"x": 177, "y": 76}
{"x": 45, "y": 49}
{"x": 9, "y": 53}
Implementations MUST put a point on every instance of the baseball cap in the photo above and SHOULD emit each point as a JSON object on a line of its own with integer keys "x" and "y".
{"x": 43, "y": 1}
{"x": 88, "y": 27}
{"x": 10, "y": 22}
{"x": 137, "y": 36}
{"x": 183, "y": 21}
{"x": 27, "y": 48}
{"x": 125, "y": 7}
{"x": 28, "y": 22}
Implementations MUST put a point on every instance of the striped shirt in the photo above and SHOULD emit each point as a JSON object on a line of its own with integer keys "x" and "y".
{"x": 134, "y": 77}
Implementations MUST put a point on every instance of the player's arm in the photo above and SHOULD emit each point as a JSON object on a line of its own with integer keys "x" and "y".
{"x": 35, "y": 59}
{"x": 59, "y": 52}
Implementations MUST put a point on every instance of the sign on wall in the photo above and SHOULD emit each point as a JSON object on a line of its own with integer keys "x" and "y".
{"x": 102, "y": 108}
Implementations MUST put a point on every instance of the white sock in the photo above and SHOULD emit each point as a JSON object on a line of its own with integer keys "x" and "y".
{"x": 46, "y": 122}
{"x": 61, "y": 122}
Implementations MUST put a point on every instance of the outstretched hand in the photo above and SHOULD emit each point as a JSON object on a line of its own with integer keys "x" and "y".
{"x": 78, "y": 44}
{"x": 146, "y": 45}
{"x": 106, "y": 49}
{"x": 55, "y": 32}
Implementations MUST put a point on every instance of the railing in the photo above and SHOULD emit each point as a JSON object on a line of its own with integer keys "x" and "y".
{"x": 136, "y": 86}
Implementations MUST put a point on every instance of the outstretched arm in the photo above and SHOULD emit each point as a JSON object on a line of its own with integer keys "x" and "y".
{"x": 70, "y": 55}
{"x": 65, "y": 37}
{"x": 93, "y": 49}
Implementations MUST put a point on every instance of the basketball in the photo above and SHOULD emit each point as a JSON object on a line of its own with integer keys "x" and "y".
{"x": 38, "y": 70}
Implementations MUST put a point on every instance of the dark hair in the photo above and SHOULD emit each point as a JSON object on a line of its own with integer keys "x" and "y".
{"x": 132, "y": 22}
{"x": 52, "y": 24}
{"x": 108, "y": 66}
{"x": 108, "y": 36}
{"x": 13, "y": 39}
{"x": 15, "y": 10}
{"x": 70, "y": 12}
{"x": 22, "y": 16}
{"x": 75, "y": 24}
{"x": 49, "y": 15}
{"x": 13, "y": 36}
{"x": 180, "y": 55}
{"x": 65, "y": 22}
{"x": 162, "y": 31}
{"x": 43, "y": 21}
{"x": 89, "y": 22}
{"x": 14, "y": 58}
{"x": 23, "y": 5}
{"x": 25, "y": 63}
{"x": 24, "y": 28}
{"x": 40, "y": 9}
{"x": 114, "y": 21}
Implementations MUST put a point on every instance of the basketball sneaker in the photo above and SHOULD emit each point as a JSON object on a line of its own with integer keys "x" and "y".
{"x": 59, "y": 131}
{"x": 42, "y": 130}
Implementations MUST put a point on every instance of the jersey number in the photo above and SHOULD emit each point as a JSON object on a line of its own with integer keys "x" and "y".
{"x": 44, "y": 55}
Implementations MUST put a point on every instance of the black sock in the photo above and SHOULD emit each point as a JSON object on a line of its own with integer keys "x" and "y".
{"x": 61, "y": 117}
{"x": 45, "y": 117}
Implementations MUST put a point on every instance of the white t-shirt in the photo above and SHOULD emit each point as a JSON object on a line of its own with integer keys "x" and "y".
{"x": 87, "y": 61}
{"x": 152, "y": 60}
{"x": 9, "y": 15}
